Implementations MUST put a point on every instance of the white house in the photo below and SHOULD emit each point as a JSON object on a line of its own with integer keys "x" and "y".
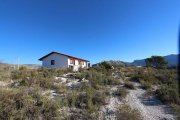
{"x": 59, "y": 60}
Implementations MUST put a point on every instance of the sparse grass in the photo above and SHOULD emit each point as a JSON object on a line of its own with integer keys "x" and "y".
{"x": 60, "y": 89}
{"x": 121, "y": 92}
{"x": 169, "y": 94}
{"x": 90, "y": 99}
{"x": 24, "y": 100}
{"x": 177, "y": 111}
{"x": 26, "y": 103}
{"x": 111, "y": 81}
{"x": 129, "y": 85}
{"x": 165, "y": 78}
{"x": 145, "y": 85}
{"x": 149, "y": 92}
{"x": 126, "y": 113}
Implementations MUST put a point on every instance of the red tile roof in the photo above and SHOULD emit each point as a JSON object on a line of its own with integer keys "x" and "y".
{"x": 63, "y": 55}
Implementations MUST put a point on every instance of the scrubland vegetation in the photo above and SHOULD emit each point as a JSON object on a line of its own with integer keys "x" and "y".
{"x": 162, "y": 83}
{"x": 25, "y": 95}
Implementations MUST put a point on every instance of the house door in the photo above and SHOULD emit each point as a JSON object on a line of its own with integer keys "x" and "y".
{"x": 71, "y": 67}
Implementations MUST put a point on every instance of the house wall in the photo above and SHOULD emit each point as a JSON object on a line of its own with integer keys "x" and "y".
{"x": 76, "y": 65}
{"x": 60, "y": 61}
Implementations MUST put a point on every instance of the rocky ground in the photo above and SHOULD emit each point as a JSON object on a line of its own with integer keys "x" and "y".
{"x": 108, "y": 111}
{"x": 151, "y": 108}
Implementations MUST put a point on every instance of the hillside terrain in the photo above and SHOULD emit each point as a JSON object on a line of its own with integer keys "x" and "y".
{"x": 171, "y": 59}
{"x": 106, "y": 91}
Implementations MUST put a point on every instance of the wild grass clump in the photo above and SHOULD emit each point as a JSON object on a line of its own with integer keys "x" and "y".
{"x": 169, "y": 94}
{"x": 60, "y": 89}
{"x": 89, "y": 100}
{"x": 126, "y": 113}
{"x": 121, "y": 92}
{"x": 26, "y": 104}
{"x": 129, "y": 85}
{"x": 111, "y": 81}
{"x": 177, "y": 111}
{"x": 145, "y": 85}
{"x": 45, "y": 83}
{"x": 99, "y": 98}
{"x": 83, "y": 115}
{"x": 98, "y": 76}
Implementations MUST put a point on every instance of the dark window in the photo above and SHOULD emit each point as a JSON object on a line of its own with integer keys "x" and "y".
{"x": 72, "y": 61}
{"x": 71, "y": 67}
{"x": 52, "y": 62}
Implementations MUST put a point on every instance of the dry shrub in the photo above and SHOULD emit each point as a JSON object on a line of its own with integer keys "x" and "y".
{"x": 121, "y": 92}
{"x": 126, "y": 113}
{"x": 26, "y": 104}
{"x": 129, "y": 85}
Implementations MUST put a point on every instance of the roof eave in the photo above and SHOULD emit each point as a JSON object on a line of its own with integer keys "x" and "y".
{"x": 63, "y": 55}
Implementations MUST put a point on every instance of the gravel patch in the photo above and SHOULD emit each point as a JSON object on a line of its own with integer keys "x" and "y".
{"x": 108, "y": 111}
{"x": 151, "y": 108}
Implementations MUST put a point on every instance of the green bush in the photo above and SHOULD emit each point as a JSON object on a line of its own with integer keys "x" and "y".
{"x": 106, "y": 65}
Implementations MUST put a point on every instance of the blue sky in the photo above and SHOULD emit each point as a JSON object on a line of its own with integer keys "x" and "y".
{"x": 92, "y": 29}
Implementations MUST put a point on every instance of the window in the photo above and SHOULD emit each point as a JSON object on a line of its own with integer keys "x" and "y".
{"x": 81, "y": 62}
{"x": 71, "y": 61}
{"x": 52, "y": 62}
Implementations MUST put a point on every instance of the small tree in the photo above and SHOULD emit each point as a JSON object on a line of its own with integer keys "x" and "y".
{"x": 156, "y": 62}
{"x": 106, "y": 65}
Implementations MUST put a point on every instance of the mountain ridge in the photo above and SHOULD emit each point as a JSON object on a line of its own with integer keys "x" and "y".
{"x": 172, "y": 60}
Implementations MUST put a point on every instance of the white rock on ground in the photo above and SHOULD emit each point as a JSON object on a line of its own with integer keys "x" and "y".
{"x": 70, "y": 82}
{"x": 50, "y": 93}
{"x": 3, "y": 84}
